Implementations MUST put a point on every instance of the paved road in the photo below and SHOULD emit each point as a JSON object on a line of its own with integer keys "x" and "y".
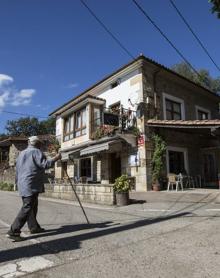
{"x": 154, "y": 239}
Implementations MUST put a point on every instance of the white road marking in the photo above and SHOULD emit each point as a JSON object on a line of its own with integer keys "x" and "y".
{"x": 24, "y": 266}
{"x": 212, "y": 209}
{"x": 34, "y": 264}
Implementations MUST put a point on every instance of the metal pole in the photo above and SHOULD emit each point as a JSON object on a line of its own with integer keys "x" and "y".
{"x": 77, "y": 197}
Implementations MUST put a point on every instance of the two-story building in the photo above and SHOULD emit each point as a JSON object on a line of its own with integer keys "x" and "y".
{"x": 105, "y": 131}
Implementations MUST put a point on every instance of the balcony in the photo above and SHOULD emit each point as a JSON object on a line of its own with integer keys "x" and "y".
{"x": 114, "y": 121}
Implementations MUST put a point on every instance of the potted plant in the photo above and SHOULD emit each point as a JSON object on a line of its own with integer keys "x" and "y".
{"x": 121, "y": 188}
{"x": 157, "y": 160}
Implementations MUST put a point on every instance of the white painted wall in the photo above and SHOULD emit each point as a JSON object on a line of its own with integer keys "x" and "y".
{"x": 124, "y": 91}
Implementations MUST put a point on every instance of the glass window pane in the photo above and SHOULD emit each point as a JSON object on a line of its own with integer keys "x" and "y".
{"x": 84, "y": 117}
{"x": 169, "y": 115}
{"x": 176, "y": 107}
{"x": 168, "y": 104}
{"x": 176, "y": 116}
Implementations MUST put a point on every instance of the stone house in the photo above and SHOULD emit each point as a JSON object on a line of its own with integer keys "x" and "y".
{"x": 9, "y": 151}
{"x": 105, "y": 131}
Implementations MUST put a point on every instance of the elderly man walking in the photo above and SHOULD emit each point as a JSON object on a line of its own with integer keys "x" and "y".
{"x": 30, "y": 166}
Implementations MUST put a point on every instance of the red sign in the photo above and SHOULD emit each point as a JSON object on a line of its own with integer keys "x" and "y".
{"x": 141, "y": 140}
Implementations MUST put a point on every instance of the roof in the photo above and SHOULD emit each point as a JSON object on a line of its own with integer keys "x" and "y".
{"x": 139, "y": 58}
{"x": 9, "y": 140}
{"x": 184, "y": 124}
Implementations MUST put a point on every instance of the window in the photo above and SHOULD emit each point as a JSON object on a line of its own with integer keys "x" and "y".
{"x": 80, "y": 122}
{"x": 202, "y": 115}
{"x": 173, "y": 110}
{"x": 85, "y": 167}
{"x": 115, "y": 108}
{"x": 96, "y": 118}
{"x": 68, "y": 128}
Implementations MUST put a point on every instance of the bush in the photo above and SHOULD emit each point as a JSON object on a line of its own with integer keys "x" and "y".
{"x": 121, "y": 184}
{"x": 6, "y": 186}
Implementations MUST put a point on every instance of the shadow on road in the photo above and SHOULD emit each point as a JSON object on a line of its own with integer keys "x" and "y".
{"x": 73, "y": 242}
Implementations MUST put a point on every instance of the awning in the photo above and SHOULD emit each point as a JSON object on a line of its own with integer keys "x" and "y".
{"x": 69, "y": 155}
{"x": 96, "y": 148}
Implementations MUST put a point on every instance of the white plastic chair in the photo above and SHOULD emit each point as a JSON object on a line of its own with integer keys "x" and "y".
{"x": 174, "y": 180}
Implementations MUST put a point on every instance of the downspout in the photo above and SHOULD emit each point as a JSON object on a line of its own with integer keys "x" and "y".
{"x": 155, "y": 93}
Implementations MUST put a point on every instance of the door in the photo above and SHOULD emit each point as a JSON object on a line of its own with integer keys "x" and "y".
{"x": 115, "y": 166}
{"x": 176, "y": 162}
{"x": 209, "y": 168}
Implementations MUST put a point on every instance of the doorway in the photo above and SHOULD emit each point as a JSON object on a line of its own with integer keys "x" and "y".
{"x": 115, "y": 167}
{"x": 177, "y": 160}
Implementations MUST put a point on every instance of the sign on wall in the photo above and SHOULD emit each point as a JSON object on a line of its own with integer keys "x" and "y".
{"x": 134, "y": 160}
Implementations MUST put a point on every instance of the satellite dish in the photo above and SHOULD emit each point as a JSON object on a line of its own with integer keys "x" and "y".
{"x": 133, "y": 99}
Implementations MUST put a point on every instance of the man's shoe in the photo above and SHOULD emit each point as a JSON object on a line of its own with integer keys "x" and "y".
{"x": 37, "y": 231}
{"x": 15, "y": 236}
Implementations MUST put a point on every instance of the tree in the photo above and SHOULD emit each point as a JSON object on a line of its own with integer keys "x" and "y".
{"x": 203, "y": 77}
{"x": 3, "y": 136}
{"x": 215, "y": 7}
{"x": 30, "y": 126}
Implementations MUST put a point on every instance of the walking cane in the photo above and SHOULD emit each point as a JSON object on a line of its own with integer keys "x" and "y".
{"x": 77, "y": 197}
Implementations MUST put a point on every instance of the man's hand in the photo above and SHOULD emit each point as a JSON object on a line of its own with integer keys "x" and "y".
{"x": 57, "y": 157}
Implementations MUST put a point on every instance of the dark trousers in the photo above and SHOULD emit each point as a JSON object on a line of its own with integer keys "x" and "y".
{"x": 28, "y": 213}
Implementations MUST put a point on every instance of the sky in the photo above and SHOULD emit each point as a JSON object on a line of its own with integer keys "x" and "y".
{"x": 52, "y": 50}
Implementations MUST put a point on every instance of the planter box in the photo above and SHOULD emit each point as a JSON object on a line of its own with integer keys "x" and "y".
{"x": 122, "y": 199}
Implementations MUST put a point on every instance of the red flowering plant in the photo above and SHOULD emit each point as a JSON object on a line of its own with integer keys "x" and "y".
{"x": 103, "y": 130}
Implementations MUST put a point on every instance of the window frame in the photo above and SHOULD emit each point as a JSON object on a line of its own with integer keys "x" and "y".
{"x": 203, "y": 110}
{"x": 71, "y": 132}
{"x": 174, "y": 100}
{"x": 81, "y": 128}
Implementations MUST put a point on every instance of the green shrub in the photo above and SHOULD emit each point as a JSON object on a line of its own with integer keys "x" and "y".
{"x": 121, "y": 184}
{"x": 6, "y": 186}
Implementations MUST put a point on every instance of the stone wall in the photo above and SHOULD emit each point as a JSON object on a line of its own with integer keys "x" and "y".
{"x": 8, "y": 175}
{"x": 90, "y": 193}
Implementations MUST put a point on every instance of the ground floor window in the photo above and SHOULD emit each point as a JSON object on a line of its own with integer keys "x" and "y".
{"x": 85, "y": 167}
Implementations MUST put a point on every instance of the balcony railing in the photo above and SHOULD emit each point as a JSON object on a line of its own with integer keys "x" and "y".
{"x": 121, "y": 120}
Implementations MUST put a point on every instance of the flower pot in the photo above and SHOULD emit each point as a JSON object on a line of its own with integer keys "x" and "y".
{"x": 156, "y": 187}
{"x": 122, "y": 199}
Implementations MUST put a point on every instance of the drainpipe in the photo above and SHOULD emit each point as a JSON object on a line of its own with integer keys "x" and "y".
{"x": 155, "y": 92}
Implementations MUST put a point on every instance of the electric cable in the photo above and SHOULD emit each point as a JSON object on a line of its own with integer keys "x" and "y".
{"x": 107, "y": 30}
{"x": 23, "y": 114}
{"x": 194, "y": 34}
{"x": 166, "y": 38}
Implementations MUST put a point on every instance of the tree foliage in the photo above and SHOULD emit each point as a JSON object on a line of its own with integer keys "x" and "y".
{"x": 204, "y": 79}
{"x": 30, "y": 126}
{"x": 215, "y": 7}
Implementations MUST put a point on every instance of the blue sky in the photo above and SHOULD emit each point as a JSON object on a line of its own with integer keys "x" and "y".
{"x": 51, "y": 50}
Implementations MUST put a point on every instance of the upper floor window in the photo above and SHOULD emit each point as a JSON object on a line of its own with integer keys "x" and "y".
{"x": 68, "y": 128}
{"x": 80, "y": 122}
{"x": 96, "y": 117}
{"x": 173, "y": 108}
{"x": 115, "y": 108}
{"x": 202, "y": 113}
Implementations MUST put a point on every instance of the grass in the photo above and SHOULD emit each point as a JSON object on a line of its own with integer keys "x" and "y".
{"x": 6, "y": 186}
